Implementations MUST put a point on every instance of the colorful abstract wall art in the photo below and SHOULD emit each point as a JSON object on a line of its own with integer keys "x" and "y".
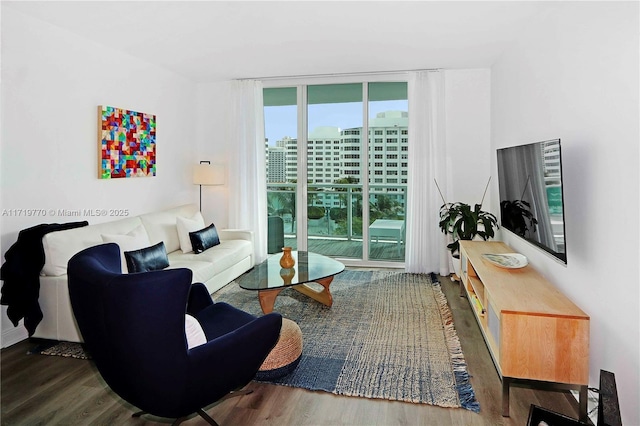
{"x": 127, "y": 142}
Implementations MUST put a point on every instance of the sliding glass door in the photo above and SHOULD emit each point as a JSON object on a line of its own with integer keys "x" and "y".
{"x": 334, "y": 172}
{"x": 281, "y": 145}
{"x": 337, "y": 160}
{"x": 388, "y": 113}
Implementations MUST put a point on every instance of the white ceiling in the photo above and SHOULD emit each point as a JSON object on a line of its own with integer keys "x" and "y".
{"x": 217, "y": 40}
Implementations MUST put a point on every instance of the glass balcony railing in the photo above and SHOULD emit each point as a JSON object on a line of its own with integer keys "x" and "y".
{"x": 334, "y": 218}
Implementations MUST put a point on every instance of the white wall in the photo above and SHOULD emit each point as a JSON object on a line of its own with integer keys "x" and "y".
{"x": 213, "y": 101}
{"x": 574, "y": 75}
{"x": 52, "y": 83}
{"x": 468, "y": 131}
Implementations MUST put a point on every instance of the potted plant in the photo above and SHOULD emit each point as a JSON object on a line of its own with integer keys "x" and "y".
{"x": 464, "y": 223}
{"x": 461, "y": 222}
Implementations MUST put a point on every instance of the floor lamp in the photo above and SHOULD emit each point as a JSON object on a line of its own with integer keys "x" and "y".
{"x": 207, "y": 174}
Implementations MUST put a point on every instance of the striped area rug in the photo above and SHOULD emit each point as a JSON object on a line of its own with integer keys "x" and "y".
{"x": 388, "y": 335}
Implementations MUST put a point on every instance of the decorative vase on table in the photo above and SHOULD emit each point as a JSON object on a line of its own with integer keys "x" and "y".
{"x": 287, "y": 261}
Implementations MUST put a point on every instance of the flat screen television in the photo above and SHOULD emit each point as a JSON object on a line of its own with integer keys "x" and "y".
{"x": 531, "y": 196}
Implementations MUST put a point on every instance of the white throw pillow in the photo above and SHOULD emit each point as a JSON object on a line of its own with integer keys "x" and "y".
{"x": 186, "y": 225}
{"x": 194, "y": 332}
{"x": 135, "y": 239}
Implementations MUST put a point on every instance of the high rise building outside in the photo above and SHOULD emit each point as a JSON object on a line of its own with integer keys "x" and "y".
{"x": 334, "y": 154}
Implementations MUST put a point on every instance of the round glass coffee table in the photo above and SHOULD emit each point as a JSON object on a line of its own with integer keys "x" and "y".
{"x": 269, "y": 279}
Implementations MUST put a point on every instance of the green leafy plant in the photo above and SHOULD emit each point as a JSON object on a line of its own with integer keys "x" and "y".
{"x": 517, "y": 216}
{"x": 463, "y": 223}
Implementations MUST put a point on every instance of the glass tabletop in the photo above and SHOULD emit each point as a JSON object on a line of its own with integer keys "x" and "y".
{"x": 309, "y": 267}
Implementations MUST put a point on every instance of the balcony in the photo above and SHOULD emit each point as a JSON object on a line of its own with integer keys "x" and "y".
{"x": 334, "y": 224}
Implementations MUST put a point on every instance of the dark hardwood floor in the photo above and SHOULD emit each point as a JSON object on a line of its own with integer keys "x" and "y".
{"x": 50, "y": 390}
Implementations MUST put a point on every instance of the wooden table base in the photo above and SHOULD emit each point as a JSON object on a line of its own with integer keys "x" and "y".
{"x": 268, "y": 297}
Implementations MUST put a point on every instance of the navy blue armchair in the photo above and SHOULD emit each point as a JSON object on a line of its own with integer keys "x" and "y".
{"x": 133, "y": 325}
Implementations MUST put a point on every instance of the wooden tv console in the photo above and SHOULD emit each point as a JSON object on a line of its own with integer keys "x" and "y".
{"x": 535, "y": 334}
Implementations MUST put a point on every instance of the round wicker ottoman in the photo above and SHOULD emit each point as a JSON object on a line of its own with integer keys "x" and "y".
{"x": 285, "y": 355}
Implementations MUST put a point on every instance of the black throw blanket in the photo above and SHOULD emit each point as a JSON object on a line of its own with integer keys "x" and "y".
{"x": 21, "y": 274}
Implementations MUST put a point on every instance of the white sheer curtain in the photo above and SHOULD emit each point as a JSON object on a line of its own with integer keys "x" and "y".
{"x": 426, "y": 245}
{"x": 247, "y": 172}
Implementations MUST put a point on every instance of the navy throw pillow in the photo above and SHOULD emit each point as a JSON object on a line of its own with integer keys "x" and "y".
{"x": 204, "y": 238}
{"x": 147, "y": 259}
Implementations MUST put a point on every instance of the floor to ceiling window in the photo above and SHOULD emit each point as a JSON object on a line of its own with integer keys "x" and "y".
{"x": 388, "y": 114}
{"x": 334, "y": 174}
{"x": 280, "y": 122}
{"x": 318, "y": 157}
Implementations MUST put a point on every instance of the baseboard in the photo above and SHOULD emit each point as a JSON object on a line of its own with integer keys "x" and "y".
{"x": 13, "y": 336}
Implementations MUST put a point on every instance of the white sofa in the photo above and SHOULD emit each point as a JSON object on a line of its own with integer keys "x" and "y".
{"x": 214, "y": 267}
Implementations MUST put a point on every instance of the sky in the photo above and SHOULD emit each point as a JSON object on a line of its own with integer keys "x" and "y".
{"x": 281, "y": 121}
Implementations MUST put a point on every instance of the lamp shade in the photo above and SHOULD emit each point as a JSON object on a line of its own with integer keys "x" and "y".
{"x": 208, "y": 174}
